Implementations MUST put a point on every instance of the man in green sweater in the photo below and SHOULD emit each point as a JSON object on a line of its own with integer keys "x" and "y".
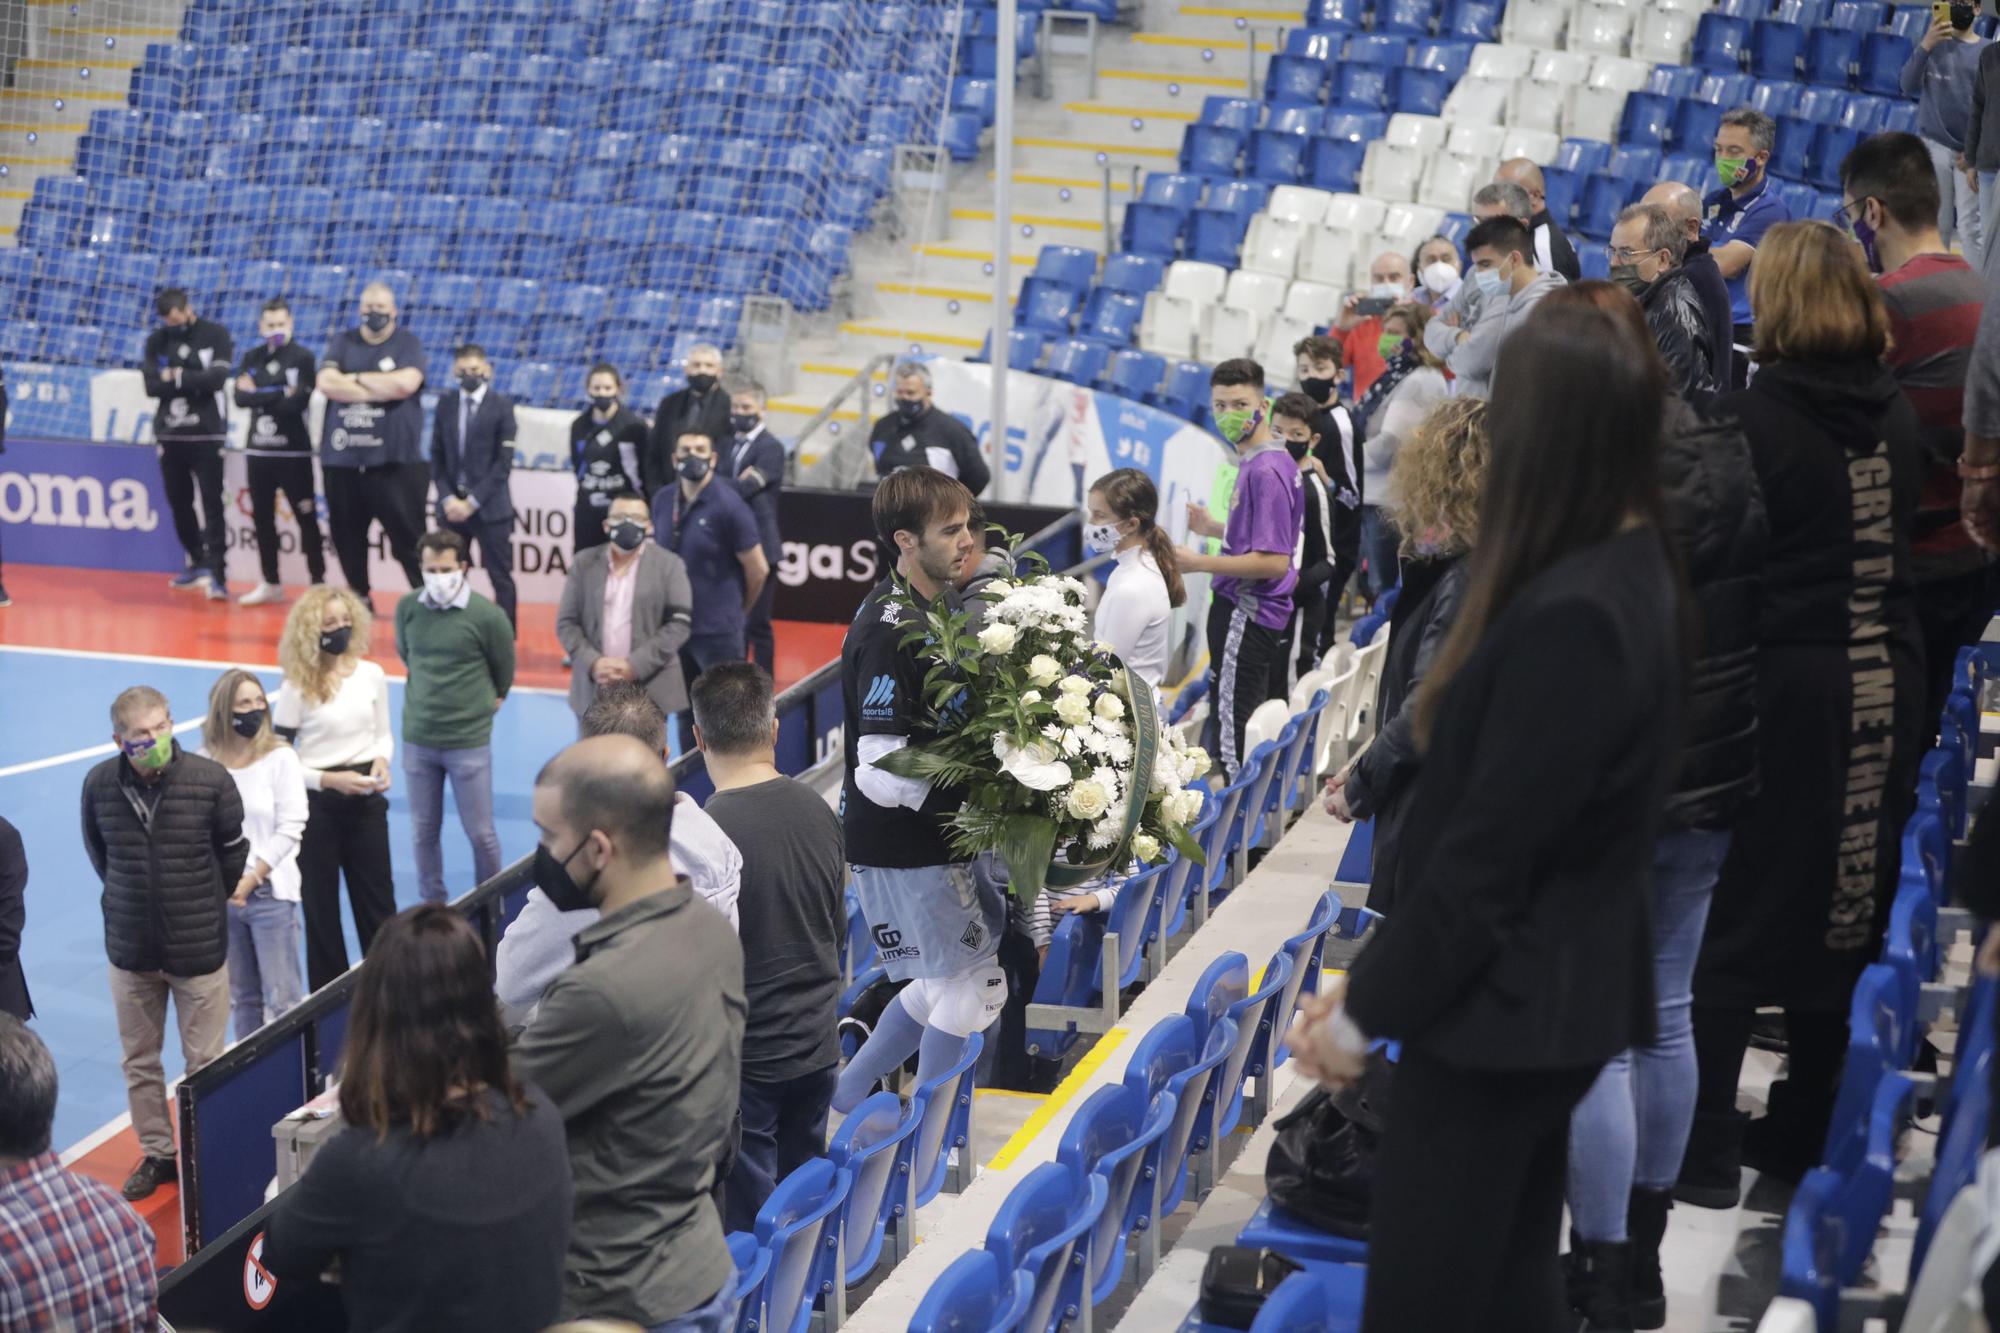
{"x": 459, "y": 649}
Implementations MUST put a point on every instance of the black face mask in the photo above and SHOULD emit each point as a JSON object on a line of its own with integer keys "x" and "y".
{"x": 1298, "y": 449}
{"x": 627, "y": 536}
{"x": 552, "y": 877}
{"x": 701, "y": 383}
{"x": 247, "y": 725}
{"x": 694, "y": 469}
{"x": 1318, "y": 390}
{"x": 604, "y": 402}
{"x": 377, "y": 320}
{"x": 1962, "y": 16}
{"x": 333, "y": 642}
{"x": 471, "y": 383}
{"x": 909, "y": 408}
{"x": 743, "y": 423}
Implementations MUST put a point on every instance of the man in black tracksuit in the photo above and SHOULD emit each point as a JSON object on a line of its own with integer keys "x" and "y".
{"x": 702, "y": 408}
{"x": 186, "y": 366}
{"x": 275, "y": 382}
{"x": 918, "y": 435}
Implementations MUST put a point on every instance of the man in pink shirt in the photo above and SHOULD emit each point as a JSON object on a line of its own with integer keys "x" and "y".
{"x": 625, "y": 612}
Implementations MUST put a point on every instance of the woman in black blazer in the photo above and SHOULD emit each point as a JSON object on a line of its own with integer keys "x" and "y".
{"x": 1517, "y": 960}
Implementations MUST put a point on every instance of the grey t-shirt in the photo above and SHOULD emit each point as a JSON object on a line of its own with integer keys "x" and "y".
{"x": 790, "y": 917}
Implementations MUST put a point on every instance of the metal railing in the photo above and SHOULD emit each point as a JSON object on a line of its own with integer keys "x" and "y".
{"x": 832, "y": 468}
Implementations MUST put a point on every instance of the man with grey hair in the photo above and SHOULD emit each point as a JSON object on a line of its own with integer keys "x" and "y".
{"x": 371, "y": 440}
{"x": 1645, "y": 252}
{"x": 1739, "y": 213}
{"x": 1684, "y": 203}
{"x": 1553, "y": 252}
{"x": 164, "y": 831}
{"x": 702, "y": 408}
{"x": 917, "y": 434}
{"x": 73, "y": 1255}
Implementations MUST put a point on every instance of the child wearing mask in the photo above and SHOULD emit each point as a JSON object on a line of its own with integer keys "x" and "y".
{"x": 1329, "y": 544}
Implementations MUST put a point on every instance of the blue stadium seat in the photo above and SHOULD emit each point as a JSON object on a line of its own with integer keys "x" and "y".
{"x": 1066, "y": 265}
{"x": 1727, "y": 88}
{"x": 1024, "y": 349}
{"x": 1869, "y": 15}
{"x": 1354, "y": 124}
{"x": 1077, "y": 360}
{"x": 1694, "y": 125}
{"x": 1277, "y": 155}
{"x": 1582, "y": 156}
{"x": 1153, "y": 229}
{"x": 1042, "y": 1228}
{"x": 976, "y": 1292}
{"x": 1882, "y": 57}
{"x": 1832, "y": 55}
{"x": 1322, "y": 43}
{"x": 1720, "y": 41}
{"x": 1131, "y": 373}
{"x": 1605, "y": 195}
{"x": 1771, "y": 97}
{"x": 1775, "y": 48}
{"x": 1185, "y": 392}
{"x": 1442, "y": 56}
{"x": 1133, "y": 274}
{"x": 799, "y": 1225}
{"x": 1231, "y": 113}
{"x": 872, "y": 1146}
{"x": 1420, "y": 92}
{"x": 1693, "y": 170}
{"x": 1409, "y": 18}
{"x": 1334, "y": 164}
{"x": 1111, "y": 317}
{"x": 1297, "y": 79}
{"x": 1048, "y": 305}
{"x": 1325, "y": 1298}
{"x": 1473, "y": 20}
{"x": 1339, "y": 13}
{"x": 1108, "y": 1137}
{"x": 1646, "y": 120}
{"x": 1211, "y": 150}
{"x": 1675, "y": 80}
{"x": 1215, "y": 235}
{"x": 1362, "y": 86}
{"x": 531, "y": 382}
{"x": 1830, "y": 147}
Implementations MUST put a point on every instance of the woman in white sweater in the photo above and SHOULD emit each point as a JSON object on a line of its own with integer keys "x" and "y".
{"x": 334, "y": 706}
{"x": 264, "y": 975}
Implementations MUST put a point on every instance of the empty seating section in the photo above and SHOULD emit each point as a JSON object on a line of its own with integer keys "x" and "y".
{"x": 556, "y": 179}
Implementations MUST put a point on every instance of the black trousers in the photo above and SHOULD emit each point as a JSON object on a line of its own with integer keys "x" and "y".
{"x": 294, "y": 476}
{"x": 343, "y": 834}
{"x": 1818, "y": 1047}
{"x": 495, "y": 540}
{"x": 784, "y": 1126}
{"x": 586, "y": 528}
{"x": 357, "y": 498}
{"x": 188, "y": 467}
{"x": 1240, "y": 654}
{"x": 1469, "y": 1199}
{"x": 757, "y": 629}
{"x": 1299, "y": 646}
{"x": 1951, "y": 612}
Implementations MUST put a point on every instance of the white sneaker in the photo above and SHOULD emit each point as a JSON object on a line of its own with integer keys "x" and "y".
{"x": 262, "y": 595}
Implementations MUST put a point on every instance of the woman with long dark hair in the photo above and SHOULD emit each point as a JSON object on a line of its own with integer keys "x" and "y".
{"x": 1804, "y": 892}
{"x": 447, "y": 1196}
{"x": 1517, "y": 960}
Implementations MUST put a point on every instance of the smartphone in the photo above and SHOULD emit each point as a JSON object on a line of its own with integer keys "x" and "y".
{"x": 1368, "y": 307}
{"x": 1940, "y": 11}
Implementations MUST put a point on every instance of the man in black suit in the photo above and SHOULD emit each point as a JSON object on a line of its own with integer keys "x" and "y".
{"x": 13, "y": 917}
{"x": 472, "y": 454}
{"x": 753, "y": 460}
{"x": 702, "y": 408}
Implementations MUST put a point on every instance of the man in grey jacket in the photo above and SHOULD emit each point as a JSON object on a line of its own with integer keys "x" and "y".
{"x": 626, "y": 612}
{"x": 1503, "y": 267}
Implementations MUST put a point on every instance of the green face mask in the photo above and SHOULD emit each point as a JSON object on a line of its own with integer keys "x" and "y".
{"x": 155, "y": 756}
{"x": 1733, "y": 171}
{"x": 1234, "y": 424}
{"x": 1389, "y": 345}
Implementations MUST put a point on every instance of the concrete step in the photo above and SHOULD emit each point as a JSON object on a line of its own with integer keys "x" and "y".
{"x": 1080, "y": 196}
{"x": 74, "y": 77}
{"x": 1171, "y": 89}
{"x": 52, "y": 139}
{"x": 1050, "y": 155}
{"x": 973, "y": 225}
{"x": 966, "y": 266}
{"x": 1128, "y": 125}
{"x": 82, "y": 39}
{"x": 966, "y": 312}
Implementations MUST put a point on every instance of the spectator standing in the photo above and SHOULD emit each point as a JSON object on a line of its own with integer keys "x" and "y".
{"x": 445, "y": 1162}
{"x": 5, "y": 600}
{"x": 185, "y": 366}
{"x": 638, "y": 1044}
{"x": 1512, "y": 916}
{"x": 791, "y": 922}
{"x": 1439, "y": 270}
{"x": 1739, "y": 214}
{"x": 753, "y": 461}
{"x": 1979, "y": 466}
{"x": 626, "y": 611}
{"x": 1800, "y": 904}
{"x": 334, "y": 707}
{"x": 1394, "y": 405}
{"x": 1510, "y": 285}
{"x": 1436, "y": 484}
{"x": 1934, "y": 299}
{"x": 472, "y": 457}
{"x": 1358, "y": 330}
{"x": 1553, "y": 252}
{"x": 1135, "y": 614}
{"x": 701, "y": 408}
{"x": 1941, "y": 74}
{"x": 1698, "y": 262}
{"x": 1251, "y": 596}
{"x": 712, "y": 530}
{"x": 919, "y": 435}
{"x": 606, "y": 442}
{"x": 1339, "y": 448}
{"x": 1324, "y": 568}
{"x": 370, "y": 442}
{"x": 275, "y": 381}
{"x": 1644, "y": 257}
{"x": 459, "y": 650}
{"x": 1980, "y": 159}
{"x": 73, "y": 1255}
{"x": 264, "y": 979}
{"x": 164, "y": 832}
{"x": 13, "y": 921}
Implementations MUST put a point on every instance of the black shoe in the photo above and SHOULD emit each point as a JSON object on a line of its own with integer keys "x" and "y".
{"x": 149, "y": 1175}
{"x": 1776, "y": 1146}
{"x": 1600, "y": 1286}
{"x": 1646, "y": 1224}
{"x": 5, "y": 600}
{"x": 1712, "y": 1170}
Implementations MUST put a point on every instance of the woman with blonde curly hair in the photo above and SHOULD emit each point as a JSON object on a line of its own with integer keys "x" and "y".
{"x": 1436, "y": 485}
{"x": 334, "y": 706}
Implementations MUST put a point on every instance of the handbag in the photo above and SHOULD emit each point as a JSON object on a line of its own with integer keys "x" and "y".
{"x": 1321, "y": 1169}
{"x": 1237, "y": 1280}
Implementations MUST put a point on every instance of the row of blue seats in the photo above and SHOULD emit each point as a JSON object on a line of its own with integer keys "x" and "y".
{"x": 1309, "y": 67}
{"x": 1144, "y": 377}
{"x": 1474, "y": 20}
{"x": 1828, "y": 57}
{"x": 1908, "y": 20}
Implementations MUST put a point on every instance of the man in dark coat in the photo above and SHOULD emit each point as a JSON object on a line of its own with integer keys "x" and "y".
{"x": 1698, "y": 263}
{"x": 13, "y": 917}
{"x": 702, "y": 408}
{"x": 164, "y": 830}
{"x": 1646, "y": 248}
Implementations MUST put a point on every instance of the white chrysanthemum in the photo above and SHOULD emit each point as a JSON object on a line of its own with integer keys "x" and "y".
{"x": 1087, "y": 800}
{"x": 1110, "y": 726}
{"x": 1119, "y": 750}
{"x": 1105, "y": 833}
{"x": 1097, "y": 742}
{"x": 1072, "y": 744}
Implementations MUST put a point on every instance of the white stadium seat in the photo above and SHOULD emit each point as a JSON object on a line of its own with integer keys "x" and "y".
{"x": 1481, "y": 101}
{"x": 1272, "y": 245}
{"x": 1316, "y": 302}
{"x": 1167, "y": 326}
{"x": 1423, "y": 133}
{"x": 1327, "y": 257}
{"x": 1390, "y": 172}
{"x": 1407, "y": 226}
{"x": 1225, "y": 332}
{"x": 1298, "y": 203}
{"x": 1533, "y": 105}
{"x": 1191, "y": 280}
{"x": 1592, "y": 113}
{"x": 1599, "y": 28}
{"x": 1535, "y": 23}
{"x": 1355, "y": 212}
{"x": 1561, "y": 67}
{"x": 1626, "y": 75}
{"x": 1260, "y": 293}
{"x": 1451, "y": 178}
{"x": 1695, "y": 7}
{"x": 1469, "y": 140}
{"x": 1662, "y": 35}
{"x": 1535, "y": 145}
{"x": 1265, "y": 724}
{"x": 1274, "y": 352}
{"x": 1490, "y": 60}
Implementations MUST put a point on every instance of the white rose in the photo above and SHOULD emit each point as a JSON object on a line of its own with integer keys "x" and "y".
{"x": 1075, "y": 685}
{"x": 1146, "y": 847}
{"x": 998, "y": 638}
{"x": 1110, "y": 707}
{"x": 1087, "y": 800}
{"x": 1073, "y": 709}
{"x": 998, "y": 588}
{"x": 1189, "y": 803}
{"x": 1194, "y": 763}
{"x": 1031, "y": 698}
{"x": 1043, "y": 669}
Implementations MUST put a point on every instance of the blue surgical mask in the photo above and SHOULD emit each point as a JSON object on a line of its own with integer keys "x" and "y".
{"x": 1490, "y": 282}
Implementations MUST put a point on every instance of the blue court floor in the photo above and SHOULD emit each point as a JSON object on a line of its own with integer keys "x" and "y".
{"x": 54, "y": 725}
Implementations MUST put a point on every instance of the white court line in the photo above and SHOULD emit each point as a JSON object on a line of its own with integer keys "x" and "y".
{"x": 219, "y": 666}
{"x": 93, "y": 752}
{"x": 98, "y": 1137}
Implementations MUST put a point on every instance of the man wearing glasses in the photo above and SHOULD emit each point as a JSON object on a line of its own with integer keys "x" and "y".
{"x": 1645, "y": 255}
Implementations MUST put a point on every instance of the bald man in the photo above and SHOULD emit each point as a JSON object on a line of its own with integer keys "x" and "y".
{"x": 1359, "y": 334}
{"x": 1553, "y": 252}
{"x": 1684, "y": 203}
{"x": 371, "y": 442}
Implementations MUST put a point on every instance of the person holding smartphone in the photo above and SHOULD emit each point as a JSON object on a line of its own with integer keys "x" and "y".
{"x": 1940, "y": 74}
{"x": 1359, "y": 327}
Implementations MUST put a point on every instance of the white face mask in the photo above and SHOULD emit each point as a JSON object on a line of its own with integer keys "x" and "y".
{"x": 1101, "y": 538}
{"x": 443, "y": 588}
{"x": 1439, "y": 277}
{"x": 1388, "y": 291}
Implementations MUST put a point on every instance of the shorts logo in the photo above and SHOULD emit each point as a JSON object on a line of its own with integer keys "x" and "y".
{"x": 881, "y": 697}
{"x": 886, "y": 937}
{"x": 889, "y": 945}
{"x": 974, "y": 936}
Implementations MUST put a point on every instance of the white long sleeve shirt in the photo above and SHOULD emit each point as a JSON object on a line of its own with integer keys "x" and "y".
{"x": 1134, "y": 615}
{"x": 351, "y": 728}
{"x": 274, "y": 817}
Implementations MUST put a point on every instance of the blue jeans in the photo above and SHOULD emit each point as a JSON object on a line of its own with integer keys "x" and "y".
{"x": 1632, "y": 1126}
{"x": 784, "y": 1125}
{"x": 471, "y": 774}
{"x": 718, "y": 1316}
{"x": 264, "y": 975}
{"x": 1379, "y": 545}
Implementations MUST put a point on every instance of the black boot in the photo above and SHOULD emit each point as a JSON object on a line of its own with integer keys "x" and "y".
{"x": 1788, "y": 1141}
{"x": 1646, "y": 1224}
{"x": 1600, "y": 1286}
{"x": 1712, "y": 1170}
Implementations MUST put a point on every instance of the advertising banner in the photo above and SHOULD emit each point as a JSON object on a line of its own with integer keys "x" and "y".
{"x": 95, "y": 506}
